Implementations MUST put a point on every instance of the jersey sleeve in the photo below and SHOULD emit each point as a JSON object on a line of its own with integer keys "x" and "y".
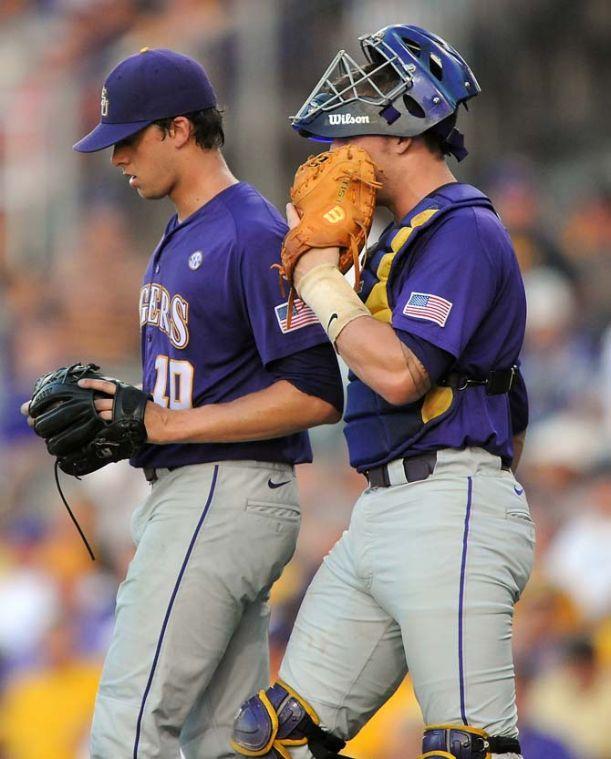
{"x": 314, "y": 371}
{"x": 451, "y": 284}
{"x": 435, "y": 360}
{"x": 266, "y": 304}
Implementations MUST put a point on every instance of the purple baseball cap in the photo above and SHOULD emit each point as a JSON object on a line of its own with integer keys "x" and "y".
{"x": 153, "y": 84}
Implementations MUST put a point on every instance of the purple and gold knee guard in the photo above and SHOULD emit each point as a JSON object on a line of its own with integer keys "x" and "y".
{"x": 269, "y": 723}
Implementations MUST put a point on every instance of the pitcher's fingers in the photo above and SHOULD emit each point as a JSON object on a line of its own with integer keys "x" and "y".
{"x": 103, "y": 404}
{"x": 102, "y": 385}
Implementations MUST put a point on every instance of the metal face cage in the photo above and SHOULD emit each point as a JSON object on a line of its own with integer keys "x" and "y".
{"x": 327, "y": 96}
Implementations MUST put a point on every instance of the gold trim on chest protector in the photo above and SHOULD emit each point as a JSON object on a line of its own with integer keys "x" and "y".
{"x": 436, "y": 402}
{"x": 377, "y": 301}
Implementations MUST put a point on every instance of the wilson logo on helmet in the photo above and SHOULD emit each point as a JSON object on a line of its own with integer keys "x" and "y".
{"x": 335, "y": 215}
{"x": 347, "y": 118}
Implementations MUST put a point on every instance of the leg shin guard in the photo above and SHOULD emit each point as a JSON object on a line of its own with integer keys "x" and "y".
{"x": 464, "y": 742}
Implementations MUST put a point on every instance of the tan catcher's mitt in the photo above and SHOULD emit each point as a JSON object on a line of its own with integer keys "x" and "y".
{"x": 334, "y": 194}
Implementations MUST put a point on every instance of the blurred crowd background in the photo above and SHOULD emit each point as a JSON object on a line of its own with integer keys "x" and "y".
{"x": 74, "y": 240}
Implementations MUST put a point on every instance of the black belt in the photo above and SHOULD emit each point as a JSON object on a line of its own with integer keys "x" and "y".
{"x": 496, "y": 382}
{"x": 150, "y": 472}
{"x": 416, "y": 468}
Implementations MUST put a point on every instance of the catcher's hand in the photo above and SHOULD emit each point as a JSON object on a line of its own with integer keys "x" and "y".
{"x": 85, "y": 428}
{"x": 334, "y": 195}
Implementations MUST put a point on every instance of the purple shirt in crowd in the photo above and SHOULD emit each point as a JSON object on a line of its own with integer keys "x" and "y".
{"x": 212, "y": 319}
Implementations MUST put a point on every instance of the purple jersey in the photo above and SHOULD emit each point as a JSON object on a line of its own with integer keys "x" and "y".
{"x": 447, "y": 274}
{"x": 212, "y": 318}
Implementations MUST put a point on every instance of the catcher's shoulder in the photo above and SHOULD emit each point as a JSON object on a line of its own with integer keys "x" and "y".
{"x": 477, "y": 231}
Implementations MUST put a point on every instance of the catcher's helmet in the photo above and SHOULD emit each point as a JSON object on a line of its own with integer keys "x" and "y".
{"x": 412, "y": 81}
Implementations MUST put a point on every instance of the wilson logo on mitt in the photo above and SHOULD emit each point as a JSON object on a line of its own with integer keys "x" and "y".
{"x": 335, "y": 215}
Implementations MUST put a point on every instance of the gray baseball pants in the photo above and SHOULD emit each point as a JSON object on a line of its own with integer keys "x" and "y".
{"x": 190, "y": 642}
{"x": 424, "y": 580}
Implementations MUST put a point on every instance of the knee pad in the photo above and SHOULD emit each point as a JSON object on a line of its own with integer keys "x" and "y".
{"x": 269, "y": 723}
{"x": 464, "y": 742}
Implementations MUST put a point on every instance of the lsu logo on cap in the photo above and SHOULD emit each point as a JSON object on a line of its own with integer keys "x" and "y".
{"x": 195, "y": 260}
{"x": 104, "y": 102}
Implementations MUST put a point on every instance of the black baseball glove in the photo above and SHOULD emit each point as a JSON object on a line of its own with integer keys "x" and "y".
{"x": 64, "y": 415}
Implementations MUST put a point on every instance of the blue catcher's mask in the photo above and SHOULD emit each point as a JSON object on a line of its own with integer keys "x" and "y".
{"x": 415, "y": 82}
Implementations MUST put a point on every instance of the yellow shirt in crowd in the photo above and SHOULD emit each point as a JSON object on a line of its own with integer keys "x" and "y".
{"x": 47, "y": 715}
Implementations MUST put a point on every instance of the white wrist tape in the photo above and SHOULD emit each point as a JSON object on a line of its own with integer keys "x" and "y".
{"x": 331, "y": 298}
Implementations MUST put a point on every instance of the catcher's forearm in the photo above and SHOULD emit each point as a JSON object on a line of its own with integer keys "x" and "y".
{"x": 279, "y": 410}
{"x": 370, "y": 348}
{"x": 378, "y": 358}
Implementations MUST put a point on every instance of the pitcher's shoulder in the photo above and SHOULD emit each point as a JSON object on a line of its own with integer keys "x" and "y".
{"x": 253, "y": 213}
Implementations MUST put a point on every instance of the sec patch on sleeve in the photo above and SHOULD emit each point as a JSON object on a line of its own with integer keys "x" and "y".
{"x": 428, "y": 306}
{"x": 302, "y": 316}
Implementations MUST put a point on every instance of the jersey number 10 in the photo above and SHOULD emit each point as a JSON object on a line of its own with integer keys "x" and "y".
{"x": 173, "y": 383}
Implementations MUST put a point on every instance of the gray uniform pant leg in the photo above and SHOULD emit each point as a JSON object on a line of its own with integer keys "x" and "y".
{"x": 426, "y": 578}
{"x": 211, "y": 540}
{"x": 207, "y": 729}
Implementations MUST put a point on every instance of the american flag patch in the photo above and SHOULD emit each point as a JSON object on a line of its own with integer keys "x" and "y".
{"x": 427, "y": 306}
{"x": 302, "y": 316}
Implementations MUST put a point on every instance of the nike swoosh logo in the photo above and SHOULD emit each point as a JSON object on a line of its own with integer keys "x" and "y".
{"x": 274, "y": 485}
{"x": 333, "y": 316}
{"x": 518, "y": 491}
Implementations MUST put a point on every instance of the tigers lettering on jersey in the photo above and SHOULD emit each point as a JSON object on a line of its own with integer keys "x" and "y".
{"x": 170, "y": 313}
{"x": 209, "y": 328}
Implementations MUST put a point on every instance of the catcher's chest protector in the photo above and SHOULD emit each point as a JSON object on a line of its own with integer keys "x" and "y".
{"x": 387, "y": 264}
